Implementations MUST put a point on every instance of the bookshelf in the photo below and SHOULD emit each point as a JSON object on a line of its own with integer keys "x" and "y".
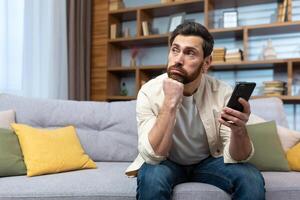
{"x": 242, "y": 35}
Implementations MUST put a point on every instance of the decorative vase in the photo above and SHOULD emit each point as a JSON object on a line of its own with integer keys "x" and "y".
{"x": 269, "y": 51}
{"x": 132, "y": 62}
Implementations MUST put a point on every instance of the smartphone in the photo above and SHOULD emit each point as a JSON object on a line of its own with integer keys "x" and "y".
{"x": 243, "y": 90}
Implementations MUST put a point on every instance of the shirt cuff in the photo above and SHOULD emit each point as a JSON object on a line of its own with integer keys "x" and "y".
{"x": 229, "y": 159}
{"x": 148, "y": 153}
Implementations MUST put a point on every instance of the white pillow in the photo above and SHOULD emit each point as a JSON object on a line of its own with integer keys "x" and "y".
{"x": 288, "y": 137}
{"x": 6, "y": 118}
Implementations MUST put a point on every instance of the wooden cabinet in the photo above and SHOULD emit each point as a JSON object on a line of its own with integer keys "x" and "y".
{"x": 245, "y": 36}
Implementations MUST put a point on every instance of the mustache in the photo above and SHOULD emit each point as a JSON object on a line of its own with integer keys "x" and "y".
{"x": 178, "y": 67}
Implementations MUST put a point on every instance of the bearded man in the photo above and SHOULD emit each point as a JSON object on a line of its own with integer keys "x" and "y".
{"x": 186, "y": 132}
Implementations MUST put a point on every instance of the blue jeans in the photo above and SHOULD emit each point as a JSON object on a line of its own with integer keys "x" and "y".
{"x": 243, "y": 181}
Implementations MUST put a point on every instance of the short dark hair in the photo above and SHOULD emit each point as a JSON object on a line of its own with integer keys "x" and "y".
{"x": 195, "y": 29}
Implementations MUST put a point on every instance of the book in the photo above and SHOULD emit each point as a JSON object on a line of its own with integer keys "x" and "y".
{"x": 113, "y": 31}
{"x": 115, "y": 4}
{"x": 289, "y": 10}
{"x": 235, "y": 55}
{"x": 284, "y": 11}
{"x": 219, "y": 54}
{"x": 274, "y": 88}
{"x": 145, "y": 27}
{"x": 279, "y": 11}
{"x": 166, "y": 1}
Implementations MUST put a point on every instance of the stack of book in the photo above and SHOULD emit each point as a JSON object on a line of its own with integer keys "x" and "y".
{"x": 234, "y": 55}
{"x": 284, "y": 10}
{"x": 274, "y": 88}
{"x": 115, "y": 4}
{"x": 219, "y": 54}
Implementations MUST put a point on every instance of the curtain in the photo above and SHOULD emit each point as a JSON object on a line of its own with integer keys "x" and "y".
{"x": 79, "y": 44}
{"x": 34, "y": 52}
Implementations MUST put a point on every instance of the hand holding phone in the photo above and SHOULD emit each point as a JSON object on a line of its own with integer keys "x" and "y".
{"x": 243, "y": 90}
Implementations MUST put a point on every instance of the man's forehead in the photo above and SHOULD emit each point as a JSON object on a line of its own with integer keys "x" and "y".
{"x": 188, "y": 41}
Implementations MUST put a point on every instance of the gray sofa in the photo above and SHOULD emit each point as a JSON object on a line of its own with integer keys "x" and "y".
{"x": 108, "y": 133}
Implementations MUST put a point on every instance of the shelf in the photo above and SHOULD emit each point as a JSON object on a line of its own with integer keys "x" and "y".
{"x": 121, "y": 69}
{"x": 153, "y": 67}
{"x": 124, "y": 14}
{"x": 236, "y": 32}
{"x": 167, "y": 9}
{"x": 258, "y": 64}
{"x": 151, "y": 40}
{"x": 274, "y": 28}
{"x": 285, "y": 98}
{"x": 242, "y": 37}
{"x": 234, "y": 3}
{"x": 163, "y": 9}
{"x": 121, "y": 98}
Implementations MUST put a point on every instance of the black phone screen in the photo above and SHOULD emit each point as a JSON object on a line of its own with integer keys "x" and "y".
{"x": 243, "y": 90}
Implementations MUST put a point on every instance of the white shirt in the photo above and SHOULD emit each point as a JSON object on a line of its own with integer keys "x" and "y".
{"x": 211, "y": 96}
{"x": 190, "y": 144}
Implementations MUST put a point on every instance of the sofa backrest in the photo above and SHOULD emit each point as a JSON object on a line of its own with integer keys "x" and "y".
{"x": 107, "y": 131}
{"x": 270, "y": 109}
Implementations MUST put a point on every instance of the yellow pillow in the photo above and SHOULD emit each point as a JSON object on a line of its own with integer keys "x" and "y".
{"x": 293, "y": 157}
{"x": 51, "y": 151}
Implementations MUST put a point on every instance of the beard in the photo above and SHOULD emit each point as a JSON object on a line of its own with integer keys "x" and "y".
{"x": 181, "y": 75}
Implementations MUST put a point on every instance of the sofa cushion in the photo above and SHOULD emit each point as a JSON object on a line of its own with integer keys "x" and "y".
{"x": 51, "y": 151}
{"x": 109, "y": 183}
{"x": 288, "y": 137}
{"x": 269, "y": 154}
{"x": 6, "y": 118}
{"x": 11, "y": 158}
{"x": 269, "y": 109}
{"x": 293, "y": 156}
{"x": 282, "y": 185}
{"x": 107, "y": 131}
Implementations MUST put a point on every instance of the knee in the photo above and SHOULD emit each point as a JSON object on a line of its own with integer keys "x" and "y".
{"x": 153, "y": 181}
{"x": 252, "y": 185}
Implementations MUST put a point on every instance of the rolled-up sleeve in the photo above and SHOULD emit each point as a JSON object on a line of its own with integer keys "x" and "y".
{"x": 146, "y": 119}
{"x": 225, "y": 134}
{"x": 229, "y": 159}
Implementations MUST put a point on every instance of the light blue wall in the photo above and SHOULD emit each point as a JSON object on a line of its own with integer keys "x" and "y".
{"x": 296, "y": 10}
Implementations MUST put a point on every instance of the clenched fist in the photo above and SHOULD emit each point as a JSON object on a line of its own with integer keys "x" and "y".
{"x": 173, "y": 91}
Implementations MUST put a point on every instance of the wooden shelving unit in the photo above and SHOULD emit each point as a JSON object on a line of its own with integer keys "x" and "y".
{"x": 141, "y": 74}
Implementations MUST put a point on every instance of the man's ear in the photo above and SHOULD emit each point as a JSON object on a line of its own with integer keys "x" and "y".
{"x": 207, "y": 63}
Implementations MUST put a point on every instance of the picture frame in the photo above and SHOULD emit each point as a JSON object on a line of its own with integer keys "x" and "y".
{"x": 230, "y": 19}
{"x": 175, "y": 20}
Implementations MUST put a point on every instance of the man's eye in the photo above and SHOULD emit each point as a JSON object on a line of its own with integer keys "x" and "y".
{"x": 191, "y": 53}
{"x": 175, "y": 50}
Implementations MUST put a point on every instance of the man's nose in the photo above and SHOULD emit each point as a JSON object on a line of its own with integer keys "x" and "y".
{"x": 179, "y": 58}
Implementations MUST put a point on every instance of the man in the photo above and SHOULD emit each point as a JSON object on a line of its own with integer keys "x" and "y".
{"x": 182, "y": 136}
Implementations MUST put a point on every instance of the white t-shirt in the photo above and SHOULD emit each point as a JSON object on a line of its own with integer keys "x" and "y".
{"x": 190, "y": 144}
